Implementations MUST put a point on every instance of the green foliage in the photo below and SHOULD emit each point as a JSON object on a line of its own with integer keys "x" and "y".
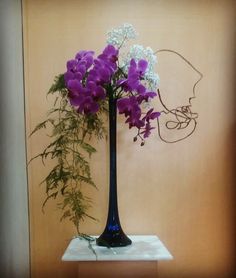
{"x": 70, "y": 149}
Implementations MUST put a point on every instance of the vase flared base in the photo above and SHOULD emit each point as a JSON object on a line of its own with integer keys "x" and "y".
{"x": 113, "y": 239}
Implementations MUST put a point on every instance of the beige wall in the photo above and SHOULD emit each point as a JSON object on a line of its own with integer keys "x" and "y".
{"x": 181, "y": 192}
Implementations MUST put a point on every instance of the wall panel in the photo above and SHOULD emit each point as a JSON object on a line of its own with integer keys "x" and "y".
{"x": 181, "y": 192}
{"x": 14, "y": 228}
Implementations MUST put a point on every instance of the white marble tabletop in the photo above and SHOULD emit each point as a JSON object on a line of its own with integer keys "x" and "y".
{"x": 143, "y": 248}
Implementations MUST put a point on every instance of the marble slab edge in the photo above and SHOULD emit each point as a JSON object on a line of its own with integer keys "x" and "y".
{"x": 143, "y": 248}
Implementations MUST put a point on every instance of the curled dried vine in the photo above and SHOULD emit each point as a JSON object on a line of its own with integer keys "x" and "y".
{"x": 183, "y": 114}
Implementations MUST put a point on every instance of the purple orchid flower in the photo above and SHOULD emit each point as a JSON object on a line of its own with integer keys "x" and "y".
{"x": 85, "y": 58}
{"x": 127, "y": 105}
{"x": 76, "y": 68}
{"x": 97, "y": 92}
{"x": 137, "y": 69}
{"x": 130, "y": 107}
{"x": 135, "y": 74}
{"x": 143, "y": 94}
{"x": 76, "y": 92}
{"x": 88, "y": 106}
{"x": 101, "y": 73}
{"x": 134, "y": 120}
{"x": 110, "y": 56}
{"x": 74, "y": 71}
{"x": 151, "y": 115}
{"x": 147, "y": 130}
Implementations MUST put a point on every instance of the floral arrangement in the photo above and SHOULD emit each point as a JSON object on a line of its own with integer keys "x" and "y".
{"x": 131, "y": 80}
{"x": 124, "y": 74}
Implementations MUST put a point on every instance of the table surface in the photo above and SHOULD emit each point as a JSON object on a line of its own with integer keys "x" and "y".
{"x": 143, "y": 248}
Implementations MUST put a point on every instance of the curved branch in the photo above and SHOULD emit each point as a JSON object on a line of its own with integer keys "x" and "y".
{"x": 183, "y": 114}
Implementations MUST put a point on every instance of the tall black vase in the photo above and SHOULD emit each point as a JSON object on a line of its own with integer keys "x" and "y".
{"x": 113, "y": 234}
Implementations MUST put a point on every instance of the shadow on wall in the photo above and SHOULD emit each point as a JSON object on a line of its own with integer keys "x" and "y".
{"x": 233, "y": 138}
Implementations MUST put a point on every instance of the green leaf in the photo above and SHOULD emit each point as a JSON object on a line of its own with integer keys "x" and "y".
{"x": 58, "y": 85}
{"x": 42, "y": 125}
{"x": 70, "y": 148}
{"x": 53, "y": 195}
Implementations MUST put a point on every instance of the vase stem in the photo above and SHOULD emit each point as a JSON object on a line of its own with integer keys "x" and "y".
{"x": 113, "y": 216}
{"x": 113, "y": 234}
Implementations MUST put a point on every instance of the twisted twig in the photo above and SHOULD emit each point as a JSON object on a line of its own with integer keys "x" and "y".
{"x": 183, "y": 114}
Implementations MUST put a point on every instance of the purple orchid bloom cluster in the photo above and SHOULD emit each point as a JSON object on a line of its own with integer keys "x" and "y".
{"x": 88, "y": 79}
{"x": 130, "y": 106}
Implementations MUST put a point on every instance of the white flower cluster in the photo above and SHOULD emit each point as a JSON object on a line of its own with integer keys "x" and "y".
{"x": 119, "y": 36}
{"x": 138, "y": 52}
